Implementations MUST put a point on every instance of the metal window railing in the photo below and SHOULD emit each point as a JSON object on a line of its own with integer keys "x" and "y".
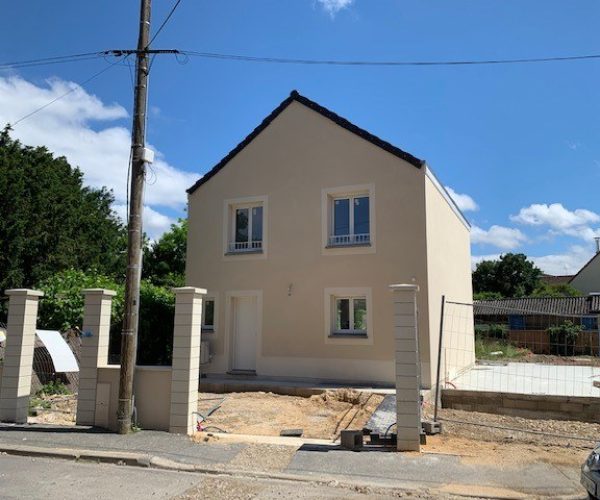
{"x": 245, "y": 246}
{"x": 350, "y": 239}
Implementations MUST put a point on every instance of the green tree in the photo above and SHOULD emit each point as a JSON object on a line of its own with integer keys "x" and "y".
{"x": 513, "y": 275}
{"x": 164, "y": 260}
{"x": 558, "y": 290}
{"x": 50, "y": 221}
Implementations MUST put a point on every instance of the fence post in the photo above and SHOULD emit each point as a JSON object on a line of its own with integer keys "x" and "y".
{"x": 185, "y": 370}
{"x": 18, "y": 354}
{"x": 408, "y": 369}
{"x": 439, "y": 362}
{"x": 94, "y": 350}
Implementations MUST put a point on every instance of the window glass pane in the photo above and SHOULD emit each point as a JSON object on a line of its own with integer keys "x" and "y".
{"x": 241, "y": 225}
{"x": 341, "y": 217}
{"x": 361, "y": 215}
{"x": 257, "y": 223}
{"x": 360, "y": 314}
{"x": 342, "y": 314}
{"x": 209, "y": 313}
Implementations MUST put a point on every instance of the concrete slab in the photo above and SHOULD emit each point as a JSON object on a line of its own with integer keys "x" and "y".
{"x": 531, "y": 378}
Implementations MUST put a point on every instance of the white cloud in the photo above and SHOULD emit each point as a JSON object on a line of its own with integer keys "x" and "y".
{"x": 559, "y": 219}
{"x": 463, "y": 201}
{"x": 332, "y": 7}
{"x": 506, "y": 238}
{"x": 102, "y": 153}
{"x": 155, "y": 223}
{"x": 567, "y": 263}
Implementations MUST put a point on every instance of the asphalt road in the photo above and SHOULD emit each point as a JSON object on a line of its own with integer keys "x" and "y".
{"x": 49, "y": 479}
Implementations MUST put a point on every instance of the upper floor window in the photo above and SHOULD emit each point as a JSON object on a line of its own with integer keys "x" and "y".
{"x": 247, "y": 229}
{"x": 350, "y": 221}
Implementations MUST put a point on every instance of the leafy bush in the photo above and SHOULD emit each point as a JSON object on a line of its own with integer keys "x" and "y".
{"x": 563, "y": 338}
{"x": 493, "y": 331}
{"x": 61, "y": 307}
{"x": 52, "y": 388}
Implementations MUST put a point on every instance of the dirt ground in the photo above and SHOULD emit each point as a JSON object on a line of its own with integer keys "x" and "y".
{"x": 56, "y": 409}
{"x": 322, "y": 416}
{"x": 563, "y": 442}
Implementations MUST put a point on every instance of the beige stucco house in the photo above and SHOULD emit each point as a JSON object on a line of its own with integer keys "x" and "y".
{"x": 297, "y": 234}
{"x": 587, "y": 280}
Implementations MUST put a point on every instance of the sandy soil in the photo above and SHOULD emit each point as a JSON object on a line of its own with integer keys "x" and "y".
{"x": 322, "y": 416}
{"x": 569, "y": 444}
{"x": 62, "y": 411}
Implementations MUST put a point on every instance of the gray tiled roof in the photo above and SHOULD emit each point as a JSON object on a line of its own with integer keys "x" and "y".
{"x": 560, "y": 306}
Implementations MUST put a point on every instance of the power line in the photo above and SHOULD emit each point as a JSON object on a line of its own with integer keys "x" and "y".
{"x": 51, "y": 60}
{"x": 80, "y": 84}
{"x": 164, "y": 22}
{"x": 333, "y": 62}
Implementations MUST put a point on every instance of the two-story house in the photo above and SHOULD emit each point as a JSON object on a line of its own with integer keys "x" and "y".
{"x": 297, "y": 234}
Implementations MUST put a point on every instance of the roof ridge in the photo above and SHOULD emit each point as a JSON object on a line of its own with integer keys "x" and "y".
{"x": 327, "y": 113}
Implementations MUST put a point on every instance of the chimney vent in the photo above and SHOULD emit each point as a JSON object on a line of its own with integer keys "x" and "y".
{"x": 597, "y": 238}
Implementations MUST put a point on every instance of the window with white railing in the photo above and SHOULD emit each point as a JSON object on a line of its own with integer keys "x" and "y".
{"x": 246, "y": 227}
{"x": 350, "y": 220}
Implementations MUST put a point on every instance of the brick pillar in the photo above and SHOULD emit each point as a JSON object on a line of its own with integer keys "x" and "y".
{"x": 408, "y": 369}
{"x": 94, "y": 350}
{"x": 186, "y": 359}
{"x": 18, "y": 354}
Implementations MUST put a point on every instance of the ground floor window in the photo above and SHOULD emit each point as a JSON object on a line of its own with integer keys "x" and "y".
{"x": 348, "y": 316}
{"x": 208, "y": 315}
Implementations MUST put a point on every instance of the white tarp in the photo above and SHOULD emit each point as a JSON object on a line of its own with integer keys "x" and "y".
{"x": 2, "y": 335}
{"x": 60, "y": 352}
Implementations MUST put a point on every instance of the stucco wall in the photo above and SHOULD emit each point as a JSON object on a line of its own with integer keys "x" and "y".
{"x": 449, "y": 274}
{"x": 152, "y": 388}
{"x": 588, "y": 279}
{"x": 291, "y": 162}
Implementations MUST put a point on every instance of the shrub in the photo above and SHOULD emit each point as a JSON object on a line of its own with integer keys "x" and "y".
{"x": 493, "y": 331}
{"x": 563, "y": 338}
{"x": 52, "y": 388}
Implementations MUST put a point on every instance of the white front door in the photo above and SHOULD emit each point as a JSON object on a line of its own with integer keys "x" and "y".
{"x": 245, "y": 325}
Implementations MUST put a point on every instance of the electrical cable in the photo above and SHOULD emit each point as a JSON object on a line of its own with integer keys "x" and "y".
{"x": 51, "y": 60}
{"x": 332, "y": 62}
{"x": 79, "y": 85}
{"x": 165, "y": 21}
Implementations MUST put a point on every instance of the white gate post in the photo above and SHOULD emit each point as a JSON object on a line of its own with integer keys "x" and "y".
{"x": 408, "y": 370}
{"x": 18, "y": 355}
{"x": 185, "y": 371}
{"x": 94, "y": 350}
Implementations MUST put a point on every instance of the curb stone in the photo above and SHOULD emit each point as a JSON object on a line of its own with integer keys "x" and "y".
{"x": 148, "y": 461}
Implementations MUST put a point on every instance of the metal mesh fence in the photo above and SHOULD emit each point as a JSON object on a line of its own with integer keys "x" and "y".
{"x": 520, "y": 349}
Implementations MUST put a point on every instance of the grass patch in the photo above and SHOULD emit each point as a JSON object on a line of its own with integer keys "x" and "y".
{"x": 485, "y": 347}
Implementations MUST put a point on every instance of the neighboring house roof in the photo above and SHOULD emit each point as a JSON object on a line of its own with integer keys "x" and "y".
{"x": 558, "y": 306}
{"x": 342, "y": 122}
{"x": 556, "y": 280}
{"x": 596, "y": 256}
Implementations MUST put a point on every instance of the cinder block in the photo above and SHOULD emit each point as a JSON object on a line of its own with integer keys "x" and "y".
{"x": 408, "y": 445}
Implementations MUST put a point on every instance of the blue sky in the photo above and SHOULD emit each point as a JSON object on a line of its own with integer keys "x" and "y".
{"x": 520, "y": 141}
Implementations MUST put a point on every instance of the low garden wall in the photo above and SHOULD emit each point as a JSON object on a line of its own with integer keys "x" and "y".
{"x": 585, "y": 409}
{"x": 152, "y": 390}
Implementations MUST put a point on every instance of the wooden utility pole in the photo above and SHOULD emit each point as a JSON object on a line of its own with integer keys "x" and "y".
{"x": 134, "y": 226}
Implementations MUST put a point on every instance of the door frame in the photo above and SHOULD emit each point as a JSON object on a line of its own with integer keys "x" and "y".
{"x": 229, "y": 323}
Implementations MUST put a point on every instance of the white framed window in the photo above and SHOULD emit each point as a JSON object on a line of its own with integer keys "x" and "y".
{"x": 245, "y": 228}
{"x": 348, "y": 316}
{"x": 348, "y": 219}
{"x": 350, "y": 224}
{"x": 209, "y": 314}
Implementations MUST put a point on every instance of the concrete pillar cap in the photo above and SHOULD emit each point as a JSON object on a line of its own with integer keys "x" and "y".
{"x": 182, "y": 290}
{"x": 98, "y": 291}
{"x": 406, "y": 287}
{"x": 24, "y": 292}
